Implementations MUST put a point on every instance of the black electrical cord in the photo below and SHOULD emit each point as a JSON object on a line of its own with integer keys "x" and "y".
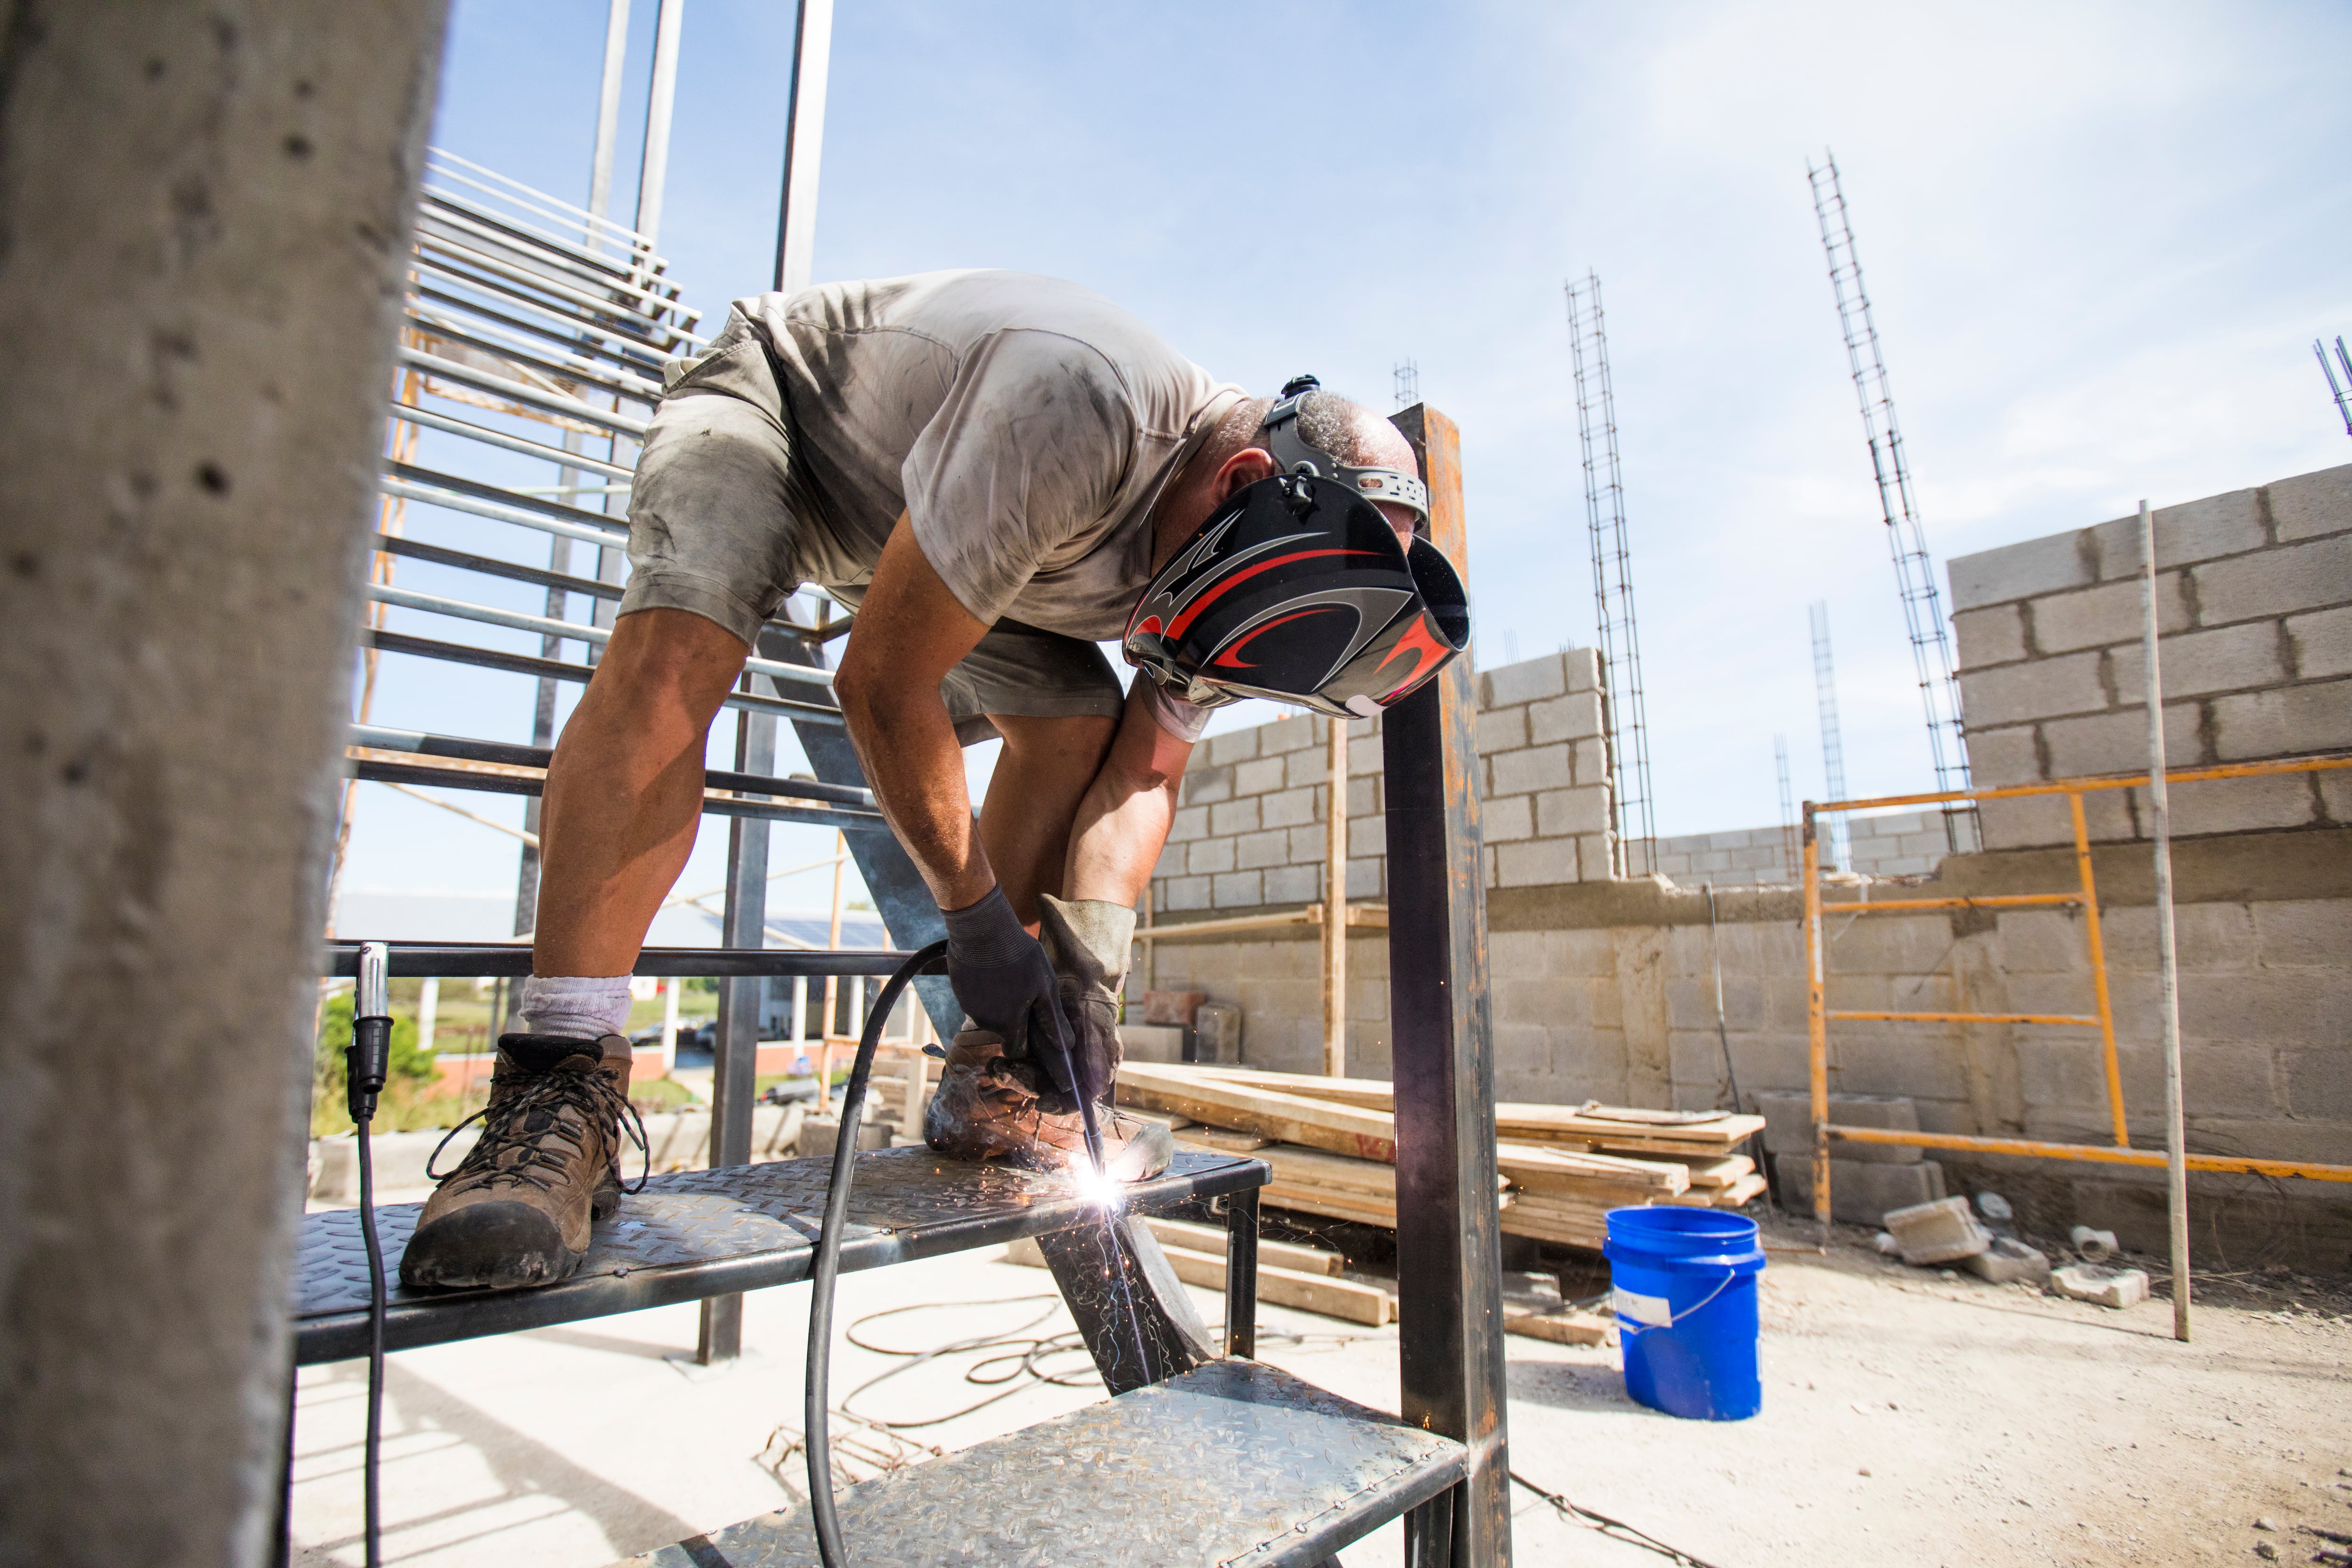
{"x": 367, "y": 1063}
{"x": 1615, "y": 1529}
{"x": 826, "y": 1269}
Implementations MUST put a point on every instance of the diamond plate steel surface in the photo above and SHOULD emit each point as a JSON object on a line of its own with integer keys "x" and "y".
{"x": 1234, "y": 1463}
{"x": 705, "y": 1233}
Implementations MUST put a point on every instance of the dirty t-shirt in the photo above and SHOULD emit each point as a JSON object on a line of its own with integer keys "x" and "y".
{"x": 1024, "y": 424}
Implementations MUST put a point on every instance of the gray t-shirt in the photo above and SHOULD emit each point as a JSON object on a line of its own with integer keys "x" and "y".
{"x": 1025, "y": 425}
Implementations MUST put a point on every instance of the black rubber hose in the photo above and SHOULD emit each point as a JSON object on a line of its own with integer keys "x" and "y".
{"x": 827, "y": 1268}
{"x": 372, "y": 1461}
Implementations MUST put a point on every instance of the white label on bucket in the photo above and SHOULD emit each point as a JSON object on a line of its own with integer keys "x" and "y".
{"x": 1654, "y": 1310}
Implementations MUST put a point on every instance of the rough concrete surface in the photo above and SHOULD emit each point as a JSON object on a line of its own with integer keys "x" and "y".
{"x": 1907, "y": 1417}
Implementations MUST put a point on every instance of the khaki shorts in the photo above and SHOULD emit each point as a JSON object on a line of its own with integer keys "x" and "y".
{"x": 714, "y": 528}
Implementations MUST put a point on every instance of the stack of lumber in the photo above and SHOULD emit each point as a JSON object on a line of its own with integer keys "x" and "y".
{"x": 1332, "y": 1144}
{"x": 1303, "y": 1278}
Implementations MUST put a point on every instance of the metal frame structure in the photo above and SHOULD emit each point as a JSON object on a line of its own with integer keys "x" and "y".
{"x": 1833, "y": 735}
{"x": 1820, "y": 1015}
{"x": 1915, "y": 571}
{"x": 1627, "y": 723}
{"x": 2341, "y": 390}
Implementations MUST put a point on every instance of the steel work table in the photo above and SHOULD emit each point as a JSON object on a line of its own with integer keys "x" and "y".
{"x": 697, "y": 1234}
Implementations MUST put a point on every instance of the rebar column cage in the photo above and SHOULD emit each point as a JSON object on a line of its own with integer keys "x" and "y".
{"x": 1635, "y": 852}
{"x": 1914, "y": 571}
{"x": 1820, "y": 1015}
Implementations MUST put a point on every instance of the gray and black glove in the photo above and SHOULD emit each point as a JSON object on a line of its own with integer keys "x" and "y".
{"x": 1088, "y": 941}
{"x": 1005, "y": 981}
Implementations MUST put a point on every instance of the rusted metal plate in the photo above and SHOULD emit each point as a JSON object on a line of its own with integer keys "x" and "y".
{"x": 1234, "y": 1463}
{"x": 698, "y": 1234}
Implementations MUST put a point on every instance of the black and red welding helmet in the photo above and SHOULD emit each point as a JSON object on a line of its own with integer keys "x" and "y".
{"x": 1297, "y": 589}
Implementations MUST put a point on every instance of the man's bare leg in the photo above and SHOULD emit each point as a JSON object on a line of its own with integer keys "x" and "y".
{"x": 624, "y": 790}
{"x": 1045, "y": 770}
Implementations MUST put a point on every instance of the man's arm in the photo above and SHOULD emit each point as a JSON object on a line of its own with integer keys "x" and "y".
{"x": 1122, "y": 823}
{"x": 910, "y": 632}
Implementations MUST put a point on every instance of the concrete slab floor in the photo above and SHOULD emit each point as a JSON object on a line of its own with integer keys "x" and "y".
{"x": 1907, "y": 1417}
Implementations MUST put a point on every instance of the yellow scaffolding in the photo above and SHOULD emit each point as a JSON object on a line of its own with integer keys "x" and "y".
{"x": 2101, "y": 1018}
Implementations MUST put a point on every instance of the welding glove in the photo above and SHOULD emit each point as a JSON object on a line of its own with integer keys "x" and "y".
{"x": 1005, "y": 981}
{"x": 1088, "y": 941}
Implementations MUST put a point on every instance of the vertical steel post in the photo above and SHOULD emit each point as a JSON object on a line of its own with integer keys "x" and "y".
{"x": 2098, "y": 953}
{"x": 735, "y": 1067}
{"x": 1817, "y": 1022}
{"x": 2167, "y": 951}
{"x": 1448, "y": 1243}
{"x": 803, "y": 145}
{"x": 1335, "y": 907}
{"x": 653, "y": 173}
{"x": 1241, "y": 1273}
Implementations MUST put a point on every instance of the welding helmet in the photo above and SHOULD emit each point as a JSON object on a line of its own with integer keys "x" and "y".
{"x": 1297, "y": 589}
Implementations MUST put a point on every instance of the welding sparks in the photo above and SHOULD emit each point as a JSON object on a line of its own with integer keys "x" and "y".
{"x": 1096, "y": 1185}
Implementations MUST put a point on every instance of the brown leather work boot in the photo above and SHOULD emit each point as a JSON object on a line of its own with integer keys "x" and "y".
{"x": 515, "y": 1210}
{"x": 987, "y": 1108}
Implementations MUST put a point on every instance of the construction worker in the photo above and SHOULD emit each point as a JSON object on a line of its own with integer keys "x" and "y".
{"x": 998, "y": 471}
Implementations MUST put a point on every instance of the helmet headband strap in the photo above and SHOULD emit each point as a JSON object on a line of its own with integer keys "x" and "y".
{"x": 1291, "y": 450}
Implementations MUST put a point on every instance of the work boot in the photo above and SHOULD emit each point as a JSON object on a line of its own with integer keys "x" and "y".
{"x": 988, "y": 1107}
{"x": 515, "y": 1210}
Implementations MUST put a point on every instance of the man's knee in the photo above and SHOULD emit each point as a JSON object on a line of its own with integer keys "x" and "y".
{"x": 666, "y": 657}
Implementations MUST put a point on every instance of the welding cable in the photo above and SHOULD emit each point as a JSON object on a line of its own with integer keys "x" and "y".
{"x": 367, "y": 1063}
{"x": 825, "y": 1270}
{"x": 1614, "y": 1528}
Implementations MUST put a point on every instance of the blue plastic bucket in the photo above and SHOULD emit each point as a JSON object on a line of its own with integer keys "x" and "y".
{"x": 1683, "y": 1284}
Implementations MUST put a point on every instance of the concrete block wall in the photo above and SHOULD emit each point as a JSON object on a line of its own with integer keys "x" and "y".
{"x": 2254, "y": 617}
{"x": 1906, "y": 844}
{"x": 1249, "y": 828}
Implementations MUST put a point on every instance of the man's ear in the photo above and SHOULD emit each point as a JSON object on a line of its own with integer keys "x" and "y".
{"x": 1241, "y": 470}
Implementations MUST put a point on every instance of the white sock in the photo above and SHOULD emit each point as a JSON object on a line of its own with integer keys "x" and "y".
{"x": 575, "y": 1008}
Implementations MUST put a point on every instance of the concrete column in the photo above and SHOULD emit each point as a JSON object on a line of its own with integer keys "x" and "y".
{"x": 202, "y": 212}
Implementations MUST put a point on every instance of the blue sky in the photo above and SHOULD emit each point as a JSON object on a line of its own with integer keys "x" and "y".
{"x": 2099, "y": 238}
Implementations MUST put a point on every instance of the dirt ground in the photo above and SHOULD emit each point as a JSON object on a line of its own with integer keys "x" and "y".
{"x": 1908, "y": 1417}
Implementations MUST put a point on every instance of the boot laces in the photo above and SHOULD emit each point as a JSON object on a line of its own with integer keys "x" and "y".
{"x": 515, "y": 1125}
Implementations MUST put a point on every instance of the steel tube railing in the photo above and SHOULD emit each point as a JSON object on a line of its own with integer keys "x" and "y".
{"x": 503, "y": 960}
{"x": 546, "y": 626}
{"x": 578, "y": 674}
{"x": 522, "y": 392}
{"x": 489, "y": 437}
{"x": 475, "y": 332}
{"x": 608, "y": 325}
{"x": 604, "y": 538}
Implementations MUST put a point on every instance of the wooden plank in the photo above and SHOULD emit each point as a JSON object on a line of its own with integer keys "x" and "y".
{"x": 1704, "y": 1173}
{"x": 1168, "y": 1118}
{"x": 1348, "y": 1300}
{"x": 1535, "y": 1169}
{"x": 1221, "y": 1140}
{"x": 1740, "y": 1192}
{"x": 1565, "y": 1328}
{"x": 1290, "y": 1118}
{"x": 1210, "y": 1238}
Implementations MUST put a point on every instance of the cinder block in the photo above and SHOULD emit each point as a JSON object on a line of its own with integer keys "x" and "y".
{"x": 1509, "y": 818}
{"x": 1789, "y": 1124}
{"x": 2321, "y": 642}
{"x": 1306, "y": 770}
{"x": 2024, "y": 824}
{"x": 1182, "y": 893}
{"x": 2303, "y": 933}
{"x": 2307, "y": 576}
{"x": 1368, "y": 836}
{"x": 1502, "y": 729}
{"x": 1170, "y": 862}
{"x": 2315, "y": 717}
{"x": 1567, "y": 811}
{"x": 1574, "y": 717}
{"x": 1583, "y": 666}
{"x": 1289, "y": 734}
{"x": 1596, "y": 854}
{"x": 2021, "y": 570}
{"x": 1234, "y": 746}
{"x": 1859, "y": 1194}
{"x": 2117, "y": 742}
{"x": 1257, "y": 777}
{"x": 1368, "y": 879}
{"x": 1995, "y": 635}
{"x": 2237, "y": 805}
{"x": 2193, "y": 530}
{"x": 1526, "y": 681}
{"x": 1210, "y": 856}
{"x": 2311, "y": 504}
{"x": 2007, "y": 1261}
{"x": 2099, "y": 1285}
{"x": 1997, "y": 757}
{"x": 1239, "y": 889}
{"x": 2105, "y": 615}
{"x": 1307, "y": 846}
{"x": 1363, "y": 798}
{"x": 1364, "y": 754}
{"x": 2038, "y": 688}
{"x": 1205, "y": 786}
{"x": 1233, "y": 817}
{"x": 1523, "y": 773}
{"x": 1294, "y": 885}
{"x": 1255, "y": 851}
{"x": 2319, "y": 1082}
{"x": 1535, "y": 862}
{"x": 1288, "y": 808}
{"x": 1591, "y": 759}
{"x": 2227, "y": 658}
{"x": 1942, "y": 1230}
{"x": 1190, "y": 822}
